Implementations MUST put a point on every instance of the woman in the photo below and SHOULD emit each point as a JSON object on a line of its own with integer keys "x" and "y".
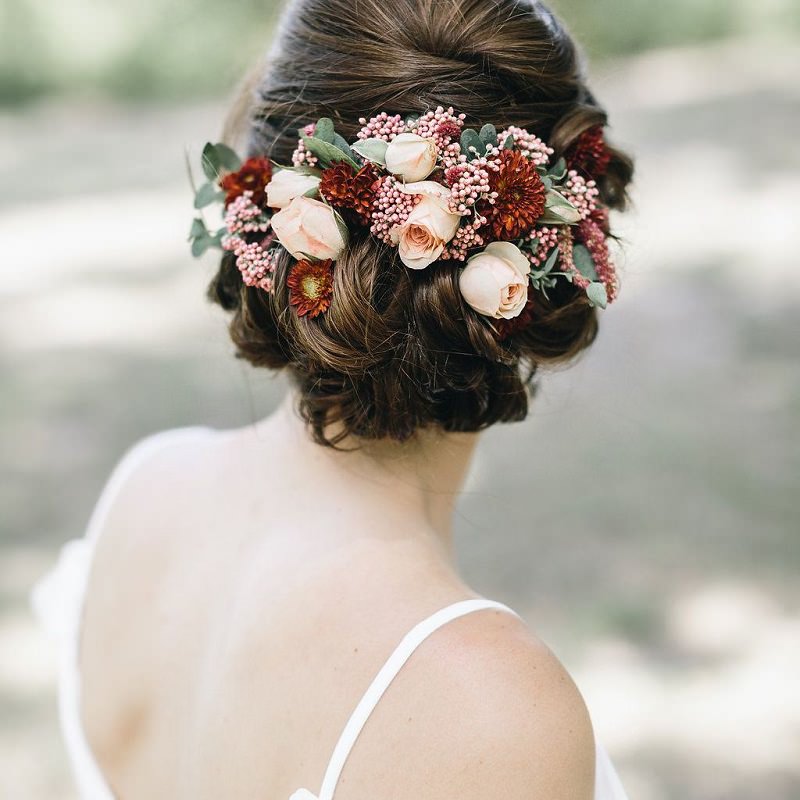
{"x": 278, "y": 606}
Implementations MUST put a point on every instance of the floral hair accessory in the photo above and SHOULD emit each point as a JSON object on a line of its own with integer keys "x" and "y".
{"x": 432, "y": 188}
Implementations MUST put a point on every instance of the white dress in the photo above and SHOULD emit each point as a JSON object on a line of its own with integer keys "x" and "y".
{"x": 58, "y": 602}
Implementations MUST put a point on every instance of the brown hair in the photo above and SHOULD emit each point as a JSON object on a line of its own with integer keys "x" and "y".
{"x": 399, "y": 349}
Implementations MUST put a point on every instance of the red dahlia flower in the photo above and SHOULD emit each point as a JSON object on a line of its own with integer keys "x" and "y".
{"x": 349, "y": 190}
{"x": 589, "y": 153}
{"x": 520, "y": 196}
{"x": 253, "y": 176}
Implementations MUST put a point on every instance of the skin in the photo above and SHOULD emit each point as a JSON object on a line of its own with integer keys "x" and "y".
{"x": 246, "y": 588}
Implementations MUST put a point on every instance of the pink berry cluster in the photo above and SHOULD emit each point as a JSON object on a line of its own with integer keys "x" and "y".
{"x": 301, "y": 156}
{"x": 581, "y": 193}
{"x": 383, "y": 126}
{"x": 444, "y": 126}
{"x": 255, "y": 260}
{"x": 530, "y": 146}
{"x": 244, "y": 216}
{"x": 391, "y": 207}
{"x": 468, "y": 182}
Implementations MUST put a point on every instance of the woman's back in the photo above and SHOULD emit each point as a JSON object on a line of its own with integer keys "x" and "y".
{"x": 220, "y": 658}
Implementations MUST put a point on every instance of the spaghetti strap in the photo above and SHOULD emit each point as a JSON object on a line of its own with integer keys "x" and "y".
{"x": 381, "y": 682}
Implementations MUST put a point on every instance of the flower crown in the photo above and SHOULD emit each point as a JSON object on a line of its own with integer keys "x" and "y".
{"x": 433, "y": 189}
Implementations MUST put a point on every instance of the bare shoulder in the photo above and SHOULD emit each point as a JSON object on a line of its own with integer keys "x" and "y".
{"x": 492, "y": 713}
{"x": 135, "y": 524}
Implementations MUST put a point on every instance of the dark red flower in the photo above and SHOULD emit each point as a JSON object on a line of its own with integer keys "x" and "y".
{"x": 589, "y": 153}
{"x": 253, "y": 175}
{"x": 350, "y": 191}
{"x": 591, "y": 235}
{"x": 520, "y": 196}
{"x": 508, "y": 327}
{"x": 448, "y": 128}
{"x": 311, "y": 286}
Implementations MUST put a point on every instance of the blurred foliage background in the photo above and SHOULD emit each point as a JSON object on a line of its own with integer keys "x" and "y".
{"x": 191, "y": 48}
{"x": 656, "y": 548}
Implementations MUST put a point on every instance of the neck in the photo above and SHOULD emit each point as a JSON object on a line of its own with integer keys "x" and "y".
{"x": 412, "y": 485}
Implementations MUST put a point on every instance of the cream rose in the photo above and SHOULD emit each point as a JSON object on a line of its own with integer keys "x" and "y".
{"x": 286, "y": 184}
{"x": 495, "y": 281}
{"x": 429, "y": 227}
{"x": 308, "y": 227}
{"x": 411, "y": 156}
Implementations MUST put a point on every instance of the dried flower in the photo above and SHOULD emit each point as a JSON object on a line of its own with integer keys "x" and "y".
{"x": 311, "y": 286}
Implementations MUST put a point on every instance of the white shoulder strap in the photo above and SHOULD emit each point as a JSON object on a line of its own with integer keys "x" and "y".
{"x": 401, "y": 654}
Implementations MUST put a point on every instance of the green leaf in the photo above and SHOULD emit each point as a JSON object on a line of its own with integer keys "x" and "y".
{"x": 411, "y": 120}
{"x": 324, "y": 129}
{"x": 342, "y": 225}
{"x": 558, "y": 170}
{"x": 533, "y": 244}
{"x": 551, "y": 259}
{"x": 201, "y": 244}
{"x": 596, "y": 292}
{"x": 559, "y": 211}
{"x": 372, "y": 150}
{"x": 198, "y": 228}
{"x": 326, "y": 152}
{"x": 206, "y": 195}
{"x": 341, "y": 143}
{"x": 470, "y": 138}
{"x": 312, "y": 192}
{"x": 218, "y": 159}
{"x": 548, "y": 182}
{"x": 508, "y": 143}
{"x": 584, "y": 262}
{"x": 227, "y": 158}
{"x": 488, "y": 134}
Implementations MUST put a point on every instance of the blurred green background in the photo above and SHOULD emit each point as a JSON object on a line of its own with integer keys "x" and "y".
{"x": 645, "y": 517}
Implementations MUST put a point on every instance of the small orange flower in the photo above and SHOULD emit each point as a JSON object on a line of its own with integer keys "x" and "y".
{"x": 311, "y": 286}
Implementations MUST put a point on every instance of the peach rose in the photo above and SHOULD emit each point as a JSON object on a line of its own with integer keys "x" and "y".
{"x": 429, "y": 227}
{"x": 411, "y": 156}
{"x": 288, "y": 184}
{"x": 308, "y": 228}
{"x": 495, "y": 281}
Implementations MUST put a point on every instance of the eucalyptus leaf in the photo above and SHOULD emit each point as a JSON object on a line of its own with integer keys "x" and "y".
{"x": 558, "y": 210}
{"x": 198, "y": 228}
{"x": 533, "y": 244}
{"x": 488, "y": 134}
{"x": 372, "y": 150}
{"x": 470, "y": 138}
{"x": 200, "y": 245}
{"x": 558, "y": 170}
{"x": 312, "y": 192}
{"x": 551, "y": 259}
{"x": 596, "y": 292}
{"x": 206, "y": 195}
{"x": 508, "y": 143}
{"x": 227, "y": 158}
{"x": 548, "y": 182}
{"x": 342, "y": 225}
{"x": 584, "y": 262}
{"x": 326, "y": 152}
{"x": 411, "y": 120}
{"x": 210, "y": 162}
{"x": 217, "y": 159}
{"x": 323, "y": 129}
{"x": 300, "y": 169}
{"x": 341, "y": 143}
